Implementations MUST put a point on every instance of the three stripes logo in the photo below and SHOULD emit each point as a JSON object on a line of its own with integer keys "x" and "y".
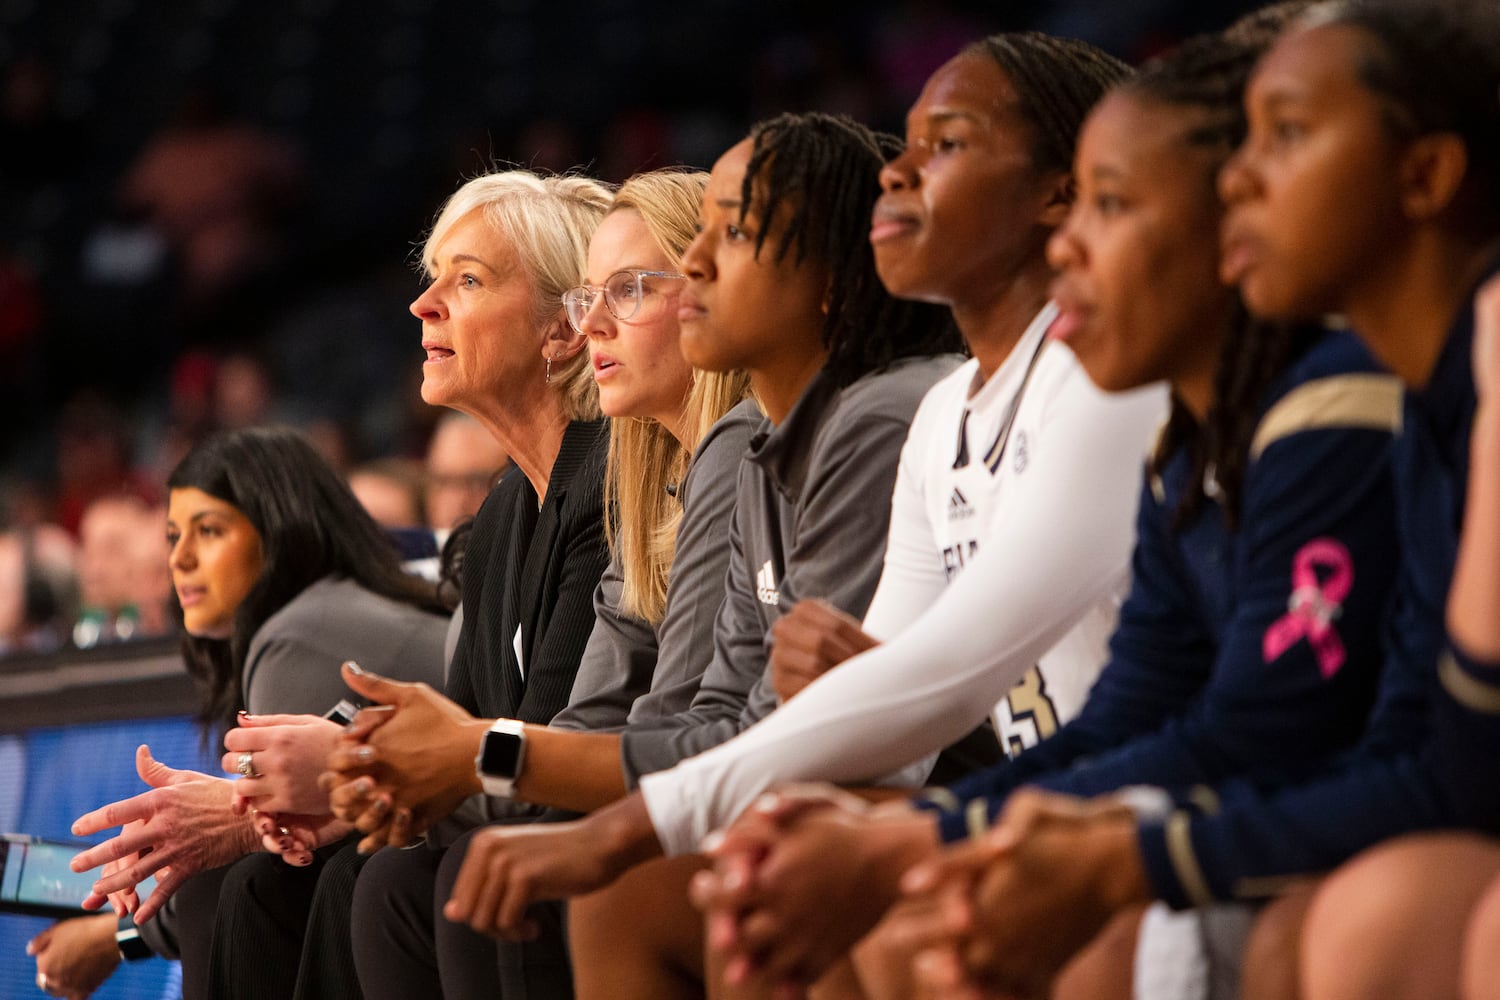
{"x": 958, "y": 506}
{"x": 765, "y": 585}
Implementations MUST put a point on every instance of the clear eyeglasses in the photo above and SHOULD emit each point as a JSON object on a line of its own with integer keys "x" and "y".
{"x": 624, "y": 293}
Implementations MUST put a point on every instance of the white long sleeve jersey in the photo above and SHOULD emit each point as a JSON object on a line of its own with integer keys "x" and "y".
{"x": 1007, "y": 559}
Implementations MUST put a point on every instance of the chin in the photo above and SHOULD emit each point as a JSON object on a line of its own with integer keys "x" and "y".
{"x": 208, "y": 630}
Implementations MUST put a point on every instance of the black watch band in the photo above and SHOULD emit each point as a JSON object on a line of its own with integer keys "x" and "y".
{"x": 132, "y": 946}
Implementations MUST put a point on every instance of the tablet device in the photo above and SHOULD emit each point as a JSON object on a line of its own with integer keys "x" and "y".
{"x": 35, "y": 877}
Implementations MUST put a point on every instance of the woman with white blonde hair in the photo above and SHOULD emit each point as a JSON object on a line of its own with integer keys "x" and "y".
{"x": 498, "y": 347}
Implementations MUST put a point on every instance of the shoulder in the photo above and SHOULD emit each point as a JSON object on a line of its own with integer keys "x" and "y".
{"x": 334, "y": 602}
{"x": 727, "y": 440}
{"x": 894, "y": 393}
{"x": 1334, "y": 386}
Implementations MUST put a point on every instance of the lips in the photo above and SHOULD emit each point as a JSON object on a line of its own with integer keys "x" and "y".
{"x": 436, "y": 351}
{"x": 1240, "y": 250}
{"x": 1072, "y": 311}
{"x": 604, "y": 364}
{"x": 889, "y": 221}
{"x": 190, "y": 596}
{"x": 689, "y": 308}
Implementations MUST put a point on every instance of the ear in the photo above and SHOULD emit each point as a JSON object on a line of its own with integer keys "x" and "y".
{"x": 1431, "y": 172}
{"x": 561, "y": 342}
{"x": 1059, "y": 194}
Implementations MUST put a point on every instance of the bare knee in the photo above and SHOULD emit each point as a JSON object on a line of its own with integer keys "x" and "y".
{"x": 1105, "y": 969}
{"x": 1481, "y": 959}
{"x": 1389, "y": 923}
{"x": 1271, "y": 958}
{"x": 618, "y": 952}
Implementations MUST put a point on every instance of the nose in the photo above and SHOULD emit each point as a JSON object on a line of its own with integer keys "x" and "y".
{"x": 1064, "y": 250}
{"x": 900, "y": 174}
{"x": 429, "y": 305}
{"x": 697, "y": 261}
{"x": 180, "y": 556}
{"x": 1237, "y": 180}
{"x": 598, "y": 321}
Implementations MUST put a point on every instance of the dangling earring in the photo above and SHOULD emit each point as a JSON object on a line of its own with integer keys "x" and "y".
{"x": 549, "y": 371}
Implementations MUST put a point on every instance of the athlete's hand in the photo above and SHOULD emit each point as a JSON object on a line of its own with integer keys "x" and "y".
{"x": 800, "y": 877}
{"x": 418, "y": 752}
{"x": 1017, "y": 904}
{"x": 810, "y": 640}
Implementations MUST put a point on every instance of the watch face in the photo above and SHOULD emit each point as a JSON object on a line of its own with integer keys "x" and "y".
{"x": 500, "y": 755}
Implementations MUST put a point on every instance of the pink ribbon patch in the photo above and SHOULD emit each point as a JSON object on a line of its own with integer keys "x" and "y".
{"x": 1317, "y": 599}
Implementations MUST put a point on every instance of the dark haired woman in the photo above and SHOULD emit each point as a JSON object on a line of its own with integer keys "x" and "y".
{"x": 1366, "y": 188}
{"x": 281, "y": 575}
{"x": 781, "y": 286}
{"x": 1245, "y": 498}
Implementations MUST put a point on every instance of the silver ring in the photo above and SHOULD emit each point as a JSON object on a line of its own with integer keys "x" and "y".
{"x": 246, "y": 765}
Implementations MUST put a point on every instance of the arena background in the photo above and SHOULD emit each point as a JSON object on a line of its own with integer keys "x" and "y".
{"x": 207, "y": 215}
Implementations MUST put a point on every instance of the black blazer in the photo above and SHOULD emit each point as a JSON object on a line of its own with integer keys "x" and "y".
{"x": 534, "y": 571}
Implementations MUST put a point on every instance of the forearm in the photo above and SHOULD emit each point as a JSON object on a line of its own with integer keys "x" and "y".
{"x": 1474, "y": 601}
{"x": 571, "y": 770}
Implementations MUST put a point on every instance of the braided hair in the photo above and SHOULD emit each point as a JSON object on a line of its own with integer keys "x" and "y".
{"x": 1208, "y": 74}
{"x": 825, "y": 171}
{"x": 1057, "y": 81}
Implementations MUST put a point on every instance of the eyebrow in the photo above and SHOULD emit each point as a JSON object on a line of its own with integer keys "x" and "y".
{"x": 1106, "y": 171}
{"x": 468, "y": 258}
{"x": 943, "y": 116}
{"x": 625, "y": 267}
{"x": 727, "y": 202}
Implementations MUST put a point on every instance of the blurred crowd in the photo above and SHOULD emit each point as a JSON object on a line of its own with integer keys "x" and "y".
{"x": 206, "y": 221}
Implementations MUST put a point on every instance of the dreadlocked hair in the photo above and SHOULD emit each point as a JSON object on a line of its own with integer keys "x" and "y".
{"x": 822, "y": 173}
{"x": 1057, "y": 81}
{"x": 1208, "y": 74}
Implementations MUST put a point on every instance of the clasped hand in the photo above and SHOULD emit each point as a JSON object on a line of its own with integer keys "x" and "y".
{"x": 404, "y": 763}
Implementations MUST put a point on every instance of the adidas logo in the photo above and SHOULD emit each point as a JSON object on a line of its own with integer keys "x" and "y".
{"x": 958, "y": 506}
{"x": 765, "y": 585}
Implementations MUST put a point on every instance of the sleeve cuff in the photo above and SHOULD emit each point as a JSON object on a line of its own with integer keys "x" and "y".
{"x": 1165, "y": 839}
{"x": 958, "y": 820}
{"x": 1470, "y": 681}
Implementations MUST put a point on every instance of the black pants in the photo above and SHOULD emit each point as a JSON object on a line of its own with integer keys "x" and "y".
{"x": 241, "y": 927}
{"x": 404, "y": 947}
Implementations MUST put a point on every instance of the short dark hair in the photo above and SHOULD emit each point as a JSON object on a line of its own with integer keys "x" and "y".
{"x": 310, "y": 526}
{"x": 826, "y": 170}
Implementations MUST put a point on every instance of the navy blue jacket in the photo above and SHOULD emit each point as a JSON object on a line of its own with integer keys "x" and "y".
{"x": 1426, "y": 760}
{"x": 1216, "y": 668}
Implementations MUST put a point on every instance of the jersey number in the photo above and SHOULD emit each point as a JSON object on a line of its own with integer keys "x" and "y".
{"x": 1029, "y": 701}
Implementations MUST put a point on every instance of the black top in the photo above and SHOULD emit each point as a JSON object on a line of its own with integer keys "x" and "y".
{"x": 529, "y": 584}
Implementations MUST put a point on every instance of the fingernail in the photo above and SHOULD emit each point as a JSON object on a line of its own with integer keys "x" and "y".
{"x": 365, "y": 754}
{"x": 712, "y": 842}
{"x": 243, "y": 714}
{"x": 353, "y": 667}
{"x": 364, "y": 786}
{"x": 285, "y": 843}
{"x": 302, "y": 860}
{"x": 767, "y": 802}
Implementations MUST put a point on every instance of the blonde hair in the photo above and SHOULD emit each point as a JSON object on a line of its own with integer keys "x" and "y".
{"x": 548, "y": 220}
{"x": 645, "y": 460}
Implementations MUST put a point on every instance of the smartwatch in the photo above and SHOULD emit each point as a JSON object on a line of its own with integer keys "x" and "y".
{"x": 501, "y": 756}
{"x": 128, "y": 940}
